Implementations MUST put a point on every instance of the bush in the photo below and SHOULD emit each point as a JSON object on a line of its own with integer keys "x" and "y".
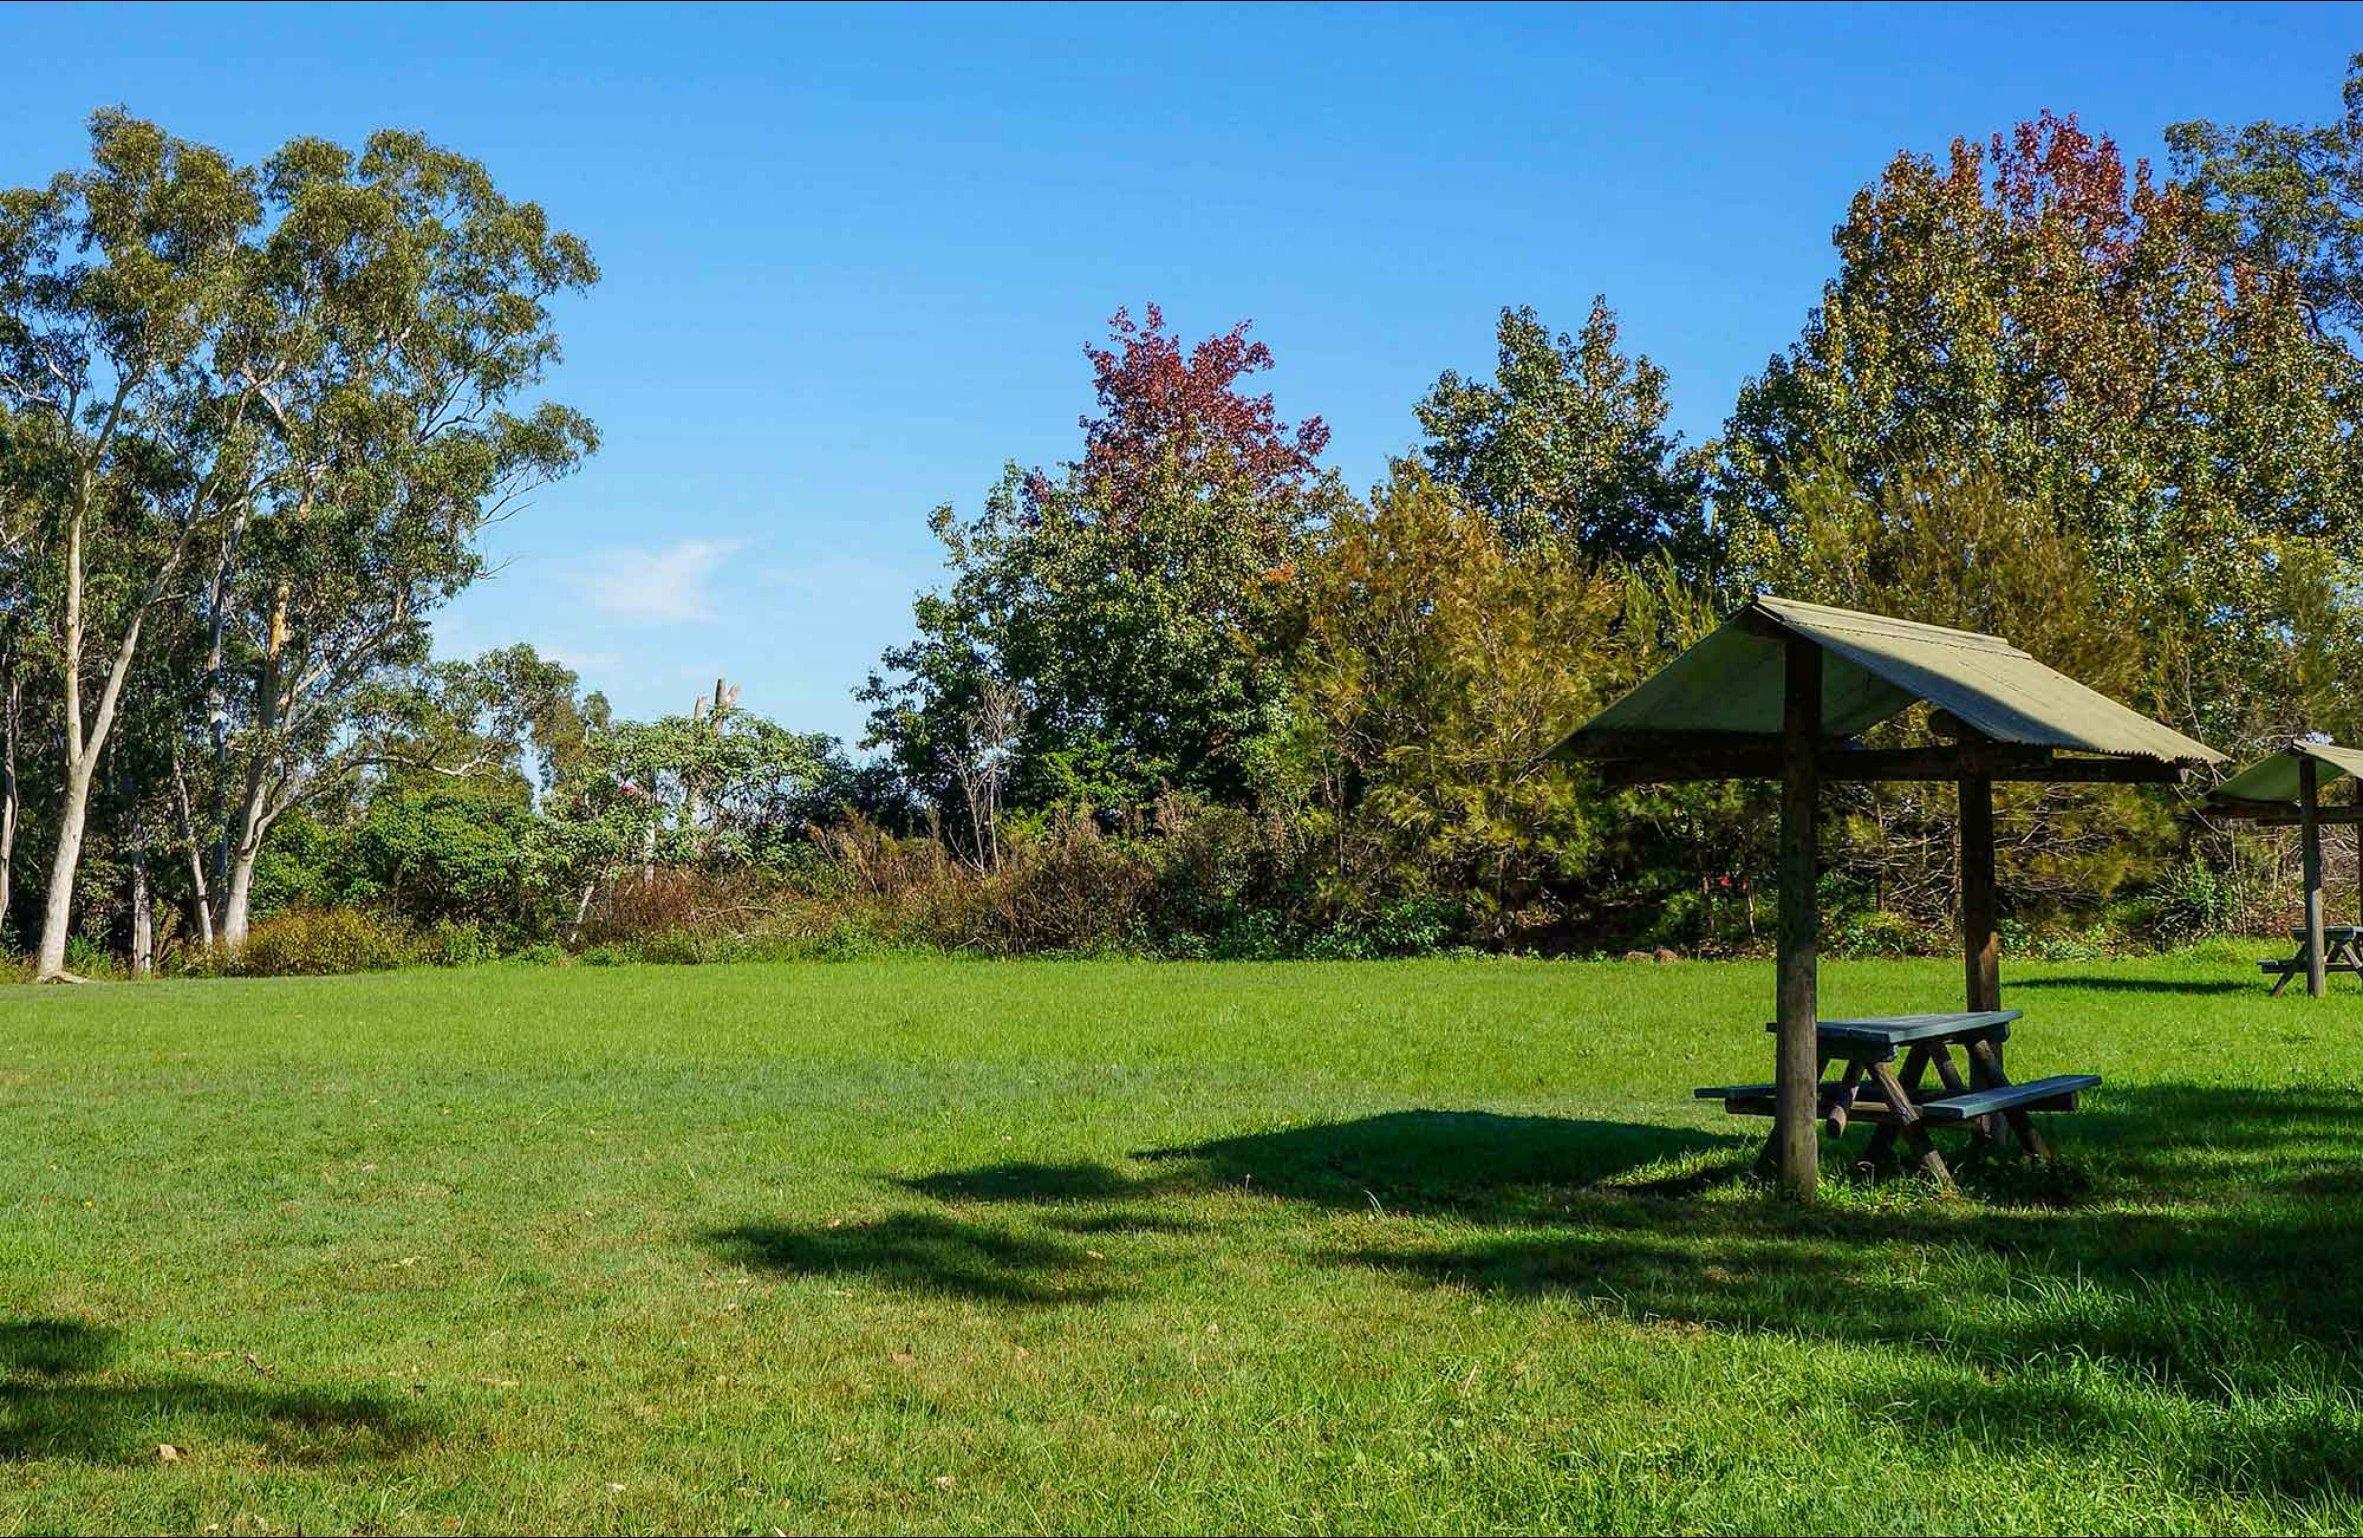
{"x": 2187, "y": 902}
{"x": 1878, "y": 932}
{"x": 86, "y": 957}
{"x": 455, "y": 944}
{"x": 315, "y": 942}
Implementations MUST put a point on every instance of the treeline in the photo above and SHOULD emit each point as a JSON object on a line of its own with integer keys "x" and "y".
{"x": 1187, "y": 692}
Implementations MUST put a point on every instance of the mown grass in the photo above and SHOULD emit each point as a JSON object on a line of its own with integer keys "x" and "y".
{"x": 1290, "y": 1248}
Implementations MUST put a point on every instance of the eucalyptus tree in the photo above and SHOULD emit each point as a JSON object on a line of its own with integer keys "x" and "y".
{"x": 128, "y": 439}
{"x": 274, "y": 406}
{"x": 399, "y": 306}
{"x": 20, "y": 555}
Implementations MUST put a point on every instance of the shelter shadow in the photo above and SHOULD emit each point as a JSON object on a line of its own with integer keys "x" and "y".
{"x": 927, "y": 1252}
{"x": 2212, "y": 985}
{"x": 1473, "y": 1164}
{"x": 2215, "y": 1247}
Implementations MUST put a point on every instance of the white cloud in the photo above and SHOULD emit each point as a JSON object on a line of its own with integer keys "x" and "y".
{"x": 670, "y": 585}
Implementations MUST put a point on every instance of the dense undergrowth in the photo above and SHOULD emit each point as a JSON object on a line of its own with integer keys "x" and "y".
{"x": 1077, "y": 892}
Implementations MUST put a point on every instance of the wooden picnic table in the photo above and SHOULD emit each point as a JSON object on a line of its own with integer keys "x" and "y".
{"x": 1975, "y": 1093}
{"x": 2342, "y": 951}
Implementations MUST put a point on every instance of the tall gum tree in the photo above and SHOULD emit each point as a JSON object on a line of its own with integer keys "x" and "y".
{"x": 114, "y": 282}
{"x": 399, "y": 308}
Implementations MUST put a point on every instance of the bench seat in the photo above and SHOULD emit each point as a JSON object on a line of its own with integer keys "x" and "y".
{"x": 2057, "y": 1093}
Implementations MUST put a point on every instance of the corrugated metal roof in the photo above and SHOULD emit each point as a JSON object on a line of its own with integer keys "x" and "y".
{"x": 1875, "y": 667}
{"x": 2274, "y": 778}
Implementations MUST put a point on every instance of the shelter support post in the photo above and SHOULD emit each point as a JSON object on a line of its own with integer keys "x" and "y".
{"x": 1981, "y": 940}
{"x": 2310, "y": 853}
{"x": 1798, "y": 1070}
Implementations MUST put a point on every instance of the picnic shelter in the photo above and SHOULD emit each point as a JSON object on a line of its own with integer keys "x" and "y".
{"x": 1784, "y": 690}
{"x": 2286, "y": 788}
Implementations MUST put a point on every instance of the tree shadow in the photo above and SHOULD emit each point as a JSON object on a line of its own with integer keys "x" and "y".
{"x": 928, "y": 1253}
{"x": 59, "y": 1399}
{"x": 1473, "y": 1164}
{"x": 2299, "y": 1447}
{"x": 2196, "y": 1252}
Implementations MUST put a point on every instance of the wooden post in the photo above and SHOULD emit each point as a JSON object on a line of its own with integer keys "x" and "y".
{"x": 2309, "y": 832}
{"x": 1981, "y": 940}
{"x": 1798, "y": 1068}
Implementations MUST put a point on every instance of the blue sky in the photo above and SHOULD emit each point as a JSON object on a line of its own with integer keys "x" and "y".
{"x": 852, "y": 256}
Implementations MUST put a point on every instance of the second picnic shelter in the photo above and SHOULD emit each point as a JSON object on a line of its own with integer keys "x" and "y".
{"x": 1784, "y": 690}
{"x": 2285, "y": 788}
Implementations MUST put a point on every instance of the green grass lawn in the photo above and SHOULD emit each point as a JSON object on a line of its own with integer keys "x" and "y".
{"x": 1285, "y": 1248}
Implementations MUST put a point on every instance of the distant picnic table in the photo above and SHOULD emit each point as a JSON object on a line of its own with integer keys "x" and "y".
{"x": 1975, "y": 1093}
{"x": 2342, "y": 951}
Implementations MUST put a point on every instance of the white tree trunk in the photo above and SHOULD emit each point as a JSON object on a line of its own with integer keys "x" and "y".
{"x": 85, "y": 740}
{"x": 238, "y": 899}
{"x": 8, "y": 792}
{"x": 143, "y": 922}
{"x": 202, "y": 900}
{"x": 236, "y": 903}
{"x": 57, "y": 910}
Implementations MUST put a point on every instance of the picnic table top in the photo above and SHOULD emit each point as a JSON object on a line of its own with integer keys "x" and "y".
{"x": 2329, "y": 932}
{"x": 1894, "y": 1030}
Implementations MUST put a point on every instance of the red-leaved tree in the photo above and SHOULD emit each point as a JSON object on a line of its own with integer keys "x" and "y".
{"x": 1174, "y": 419}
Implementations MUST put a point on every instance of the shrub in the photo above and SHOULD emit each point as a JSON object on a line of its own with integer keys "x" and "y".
{"x": 456, "y": 944}
{"x": 314, "y": 942}
{"x": 1878, "y": 932}
{"x": 86, "y": 957}
{"x": 2189, "y": 901}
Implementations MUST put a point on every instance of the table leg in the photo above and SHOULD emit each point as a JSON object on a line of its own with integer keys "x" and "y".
{"x": 2297, "y": 964}
{"x": 1905, "y": 1119}
{"x": 1984, "y": 1130}
{"x": 1835, "y": 1109}
{"x": 1882, "y": 1143}
{"x": 1987, "y": 1057}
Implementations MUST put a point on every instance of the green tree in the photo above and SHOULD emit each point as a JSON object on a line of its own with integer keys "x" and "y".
{"x": 442, "y": 851}
{"x": 396, "y": 309}
{"x": 713, "y": 789}
{"x": 1568, "y": 441}
{"x": 2289, "y": 196}
{"x": 1442, "y": 661}
{"x": 126, "y": 441}
{"x": 2035, "y": 312}
{"x": 1128, "y": 605}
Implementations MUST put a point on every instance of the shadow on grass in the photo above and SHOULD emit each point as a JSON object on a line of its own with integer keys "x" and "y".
{"x": 1024, "y": 1181}
{"x": 2208, "y": 985}
{"x": 2197, "y": 1266}
{"x": 928, "y": 1252}
{"x": 1470, "y": 1164}
{"x": 2214, "y": 1260}
{"x": 59, "y": 1399}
